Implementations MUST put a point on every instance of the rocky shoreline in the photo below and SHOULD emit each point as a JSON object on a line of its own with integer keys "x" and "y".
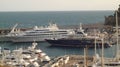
{"x": 110, "y": 20}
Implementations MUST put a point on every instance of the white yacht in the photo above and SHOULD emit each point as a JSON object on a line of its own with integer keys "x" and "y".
{"x": 39, "y": 34}
{"x": 24, "y": 57}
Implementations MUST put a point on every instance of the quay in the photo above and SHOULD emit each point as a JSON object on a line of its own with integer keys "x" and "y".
{"x": 6, "y": 30}
{"x": 85, "y": 26}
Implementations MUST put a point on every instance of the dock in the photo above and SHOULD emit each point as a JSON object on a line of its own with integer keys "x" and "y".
{"x": 4, "y": 31}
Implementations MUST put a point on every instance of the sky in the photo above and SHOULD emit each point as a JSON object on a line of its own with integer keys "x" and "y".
{"x": 58, "y": 5}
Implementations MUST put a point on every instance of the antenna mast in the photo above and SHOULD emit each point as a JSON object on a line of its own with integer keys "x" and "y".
{"x": 117, "y": 47}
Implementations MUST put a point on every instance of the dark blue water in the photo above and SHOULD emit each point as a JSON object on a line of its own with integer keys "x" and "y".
{"x": 59, "y": 51}
{"x": 30, "y": 19}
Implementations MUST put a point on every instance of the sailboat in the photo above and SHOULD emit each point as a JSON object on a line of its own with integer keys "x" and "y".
{"x": 110, "y": 62}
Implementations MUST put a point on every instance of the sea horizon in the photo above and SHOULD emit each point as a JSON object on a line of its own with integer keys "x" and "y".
{"x": 58, "y": 11}
{"x": 40, "y": 18}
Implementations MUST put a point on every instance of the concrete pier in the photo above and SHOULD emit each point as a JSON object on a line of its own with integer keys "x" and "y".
{"x": 6, "y": 31}
{"x": 85, "y": 26}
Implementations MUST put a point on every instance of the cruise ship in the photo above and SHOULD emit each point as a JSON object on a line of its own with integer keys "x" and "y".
{"x": 39, "y": 33}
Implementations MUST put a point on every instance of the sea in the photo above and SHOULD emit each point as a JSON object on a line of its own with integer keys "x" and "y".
{"x": 40, "y": 18}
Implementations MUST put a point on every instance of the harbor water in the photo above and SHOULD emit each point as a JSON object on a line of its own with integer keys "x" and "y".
{"x": 30, "y": 19}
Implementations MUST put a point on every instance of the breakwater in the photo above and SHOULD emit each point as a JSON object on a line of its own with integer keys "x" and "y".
{"x": 6, "y": 31}
{"x": 85, "y": 26}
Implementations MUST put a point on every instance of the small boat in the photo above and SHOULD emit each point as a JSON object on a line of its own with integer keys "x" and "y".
{"x": 28, "y": 57}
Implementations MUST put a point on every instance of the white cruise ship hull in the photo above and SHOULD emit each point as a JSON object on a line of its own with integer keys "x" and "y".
{"x": 4, "y": 38}
{"x": 33, "y": 38}
{"x": 41, "y": 33}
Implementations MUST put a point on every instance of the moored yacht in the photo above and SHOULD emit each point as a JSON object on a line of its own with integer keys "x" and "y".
{"x": 28, "y": 57}
{"x": 78, "y": 42}
{"x": 80, "y": 39}
{"x": 40, "y": 34}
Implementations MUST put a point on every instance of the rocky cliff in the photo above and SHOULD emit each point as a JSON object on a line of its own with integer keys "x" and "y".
{"x": 110, "y": 20}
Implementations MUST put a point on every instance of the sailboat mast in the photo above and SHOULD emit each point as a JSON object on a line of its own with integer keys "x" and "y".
{"x": 117, "y": 46}
{"x": 95, "y": 42}
{"x": 85, "y": 57}
{"x": 102, "y": 60}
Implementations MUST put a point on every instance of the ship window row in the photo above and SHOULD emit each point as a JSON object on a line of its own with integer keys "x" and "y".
{"x": 38, "y": 34}
{"x": 48, "y": 32}
{"x": 59, "y": 31}
{"x": 45, "y": 33}
{"x": 42, "y": 30}
{"x": 42, "y": 34}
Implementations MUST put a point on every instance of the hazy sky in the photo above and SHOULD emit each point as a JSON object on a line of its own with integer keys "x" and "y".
{"x": 58, "y": 5}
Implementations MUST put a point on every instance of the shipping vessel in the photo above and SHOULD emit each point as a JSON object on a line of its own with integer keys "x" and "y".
{"x": 39, "y": 33}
